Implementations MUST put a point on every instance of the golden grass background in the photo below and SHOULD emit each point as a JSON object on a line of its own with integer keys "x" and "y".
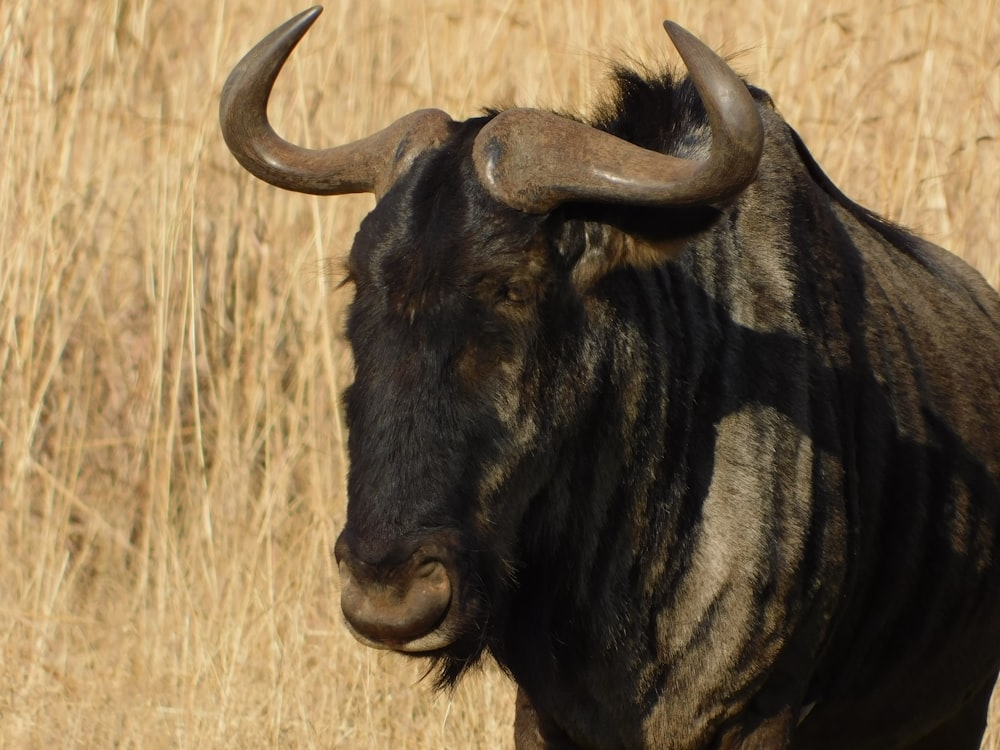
{"x": 171, "y": 450}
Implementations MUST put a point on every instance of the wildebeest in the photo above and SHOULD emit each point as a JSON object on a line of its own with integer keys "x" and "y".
{"x": 703, "y": 453}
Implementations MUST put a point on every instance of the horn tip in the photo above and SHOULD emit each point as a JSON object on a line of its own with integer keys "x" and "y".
{"x": 295, "y": 27}
{"x": 305, "y": 19}
{"x": 677, "y": 33}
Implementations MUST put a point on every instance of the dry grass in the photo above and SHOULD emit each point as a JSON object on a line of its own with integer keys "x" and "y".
{"x": 171, "y": 451}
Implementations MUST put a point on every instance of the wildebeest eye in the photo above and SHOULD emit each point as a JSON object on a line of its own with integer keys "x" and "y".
{"x": 517, "y": 292}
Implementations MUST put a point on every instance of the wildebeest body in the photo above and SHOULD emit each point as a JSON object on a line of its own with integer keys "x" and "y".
{"x": 718, "y": 474}
{"x": 786, "y": 457}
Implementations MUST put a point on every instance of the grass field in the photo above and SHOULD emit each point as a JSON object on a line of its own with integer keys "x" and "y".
{"x": 171, "y": 450}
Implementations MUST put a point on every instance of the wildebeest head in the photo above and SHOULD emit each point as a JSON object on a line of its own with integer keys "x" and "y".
{"x": 475, "y": 275}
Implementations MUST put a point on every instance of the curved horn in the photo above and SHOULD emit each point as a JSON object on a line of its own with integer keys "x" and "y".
{"x": 534, "y": 160}
{"x": 366, "y": 166}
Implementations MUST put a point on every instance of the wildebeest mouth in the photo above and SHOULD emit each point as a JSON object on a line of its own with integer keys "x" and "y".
{"x": 406, "y": 607}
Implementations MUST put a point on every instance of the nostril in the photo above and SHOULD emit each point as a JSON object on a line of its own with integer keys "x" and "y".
{"x": 431, "y": 585}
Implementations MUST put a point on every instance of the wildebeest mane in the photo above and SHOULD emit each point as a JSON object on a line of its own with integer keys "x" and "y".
{"x": 658, "y": 110}
{"x": 663, "y": 111}
{"x": 894, "y": 234}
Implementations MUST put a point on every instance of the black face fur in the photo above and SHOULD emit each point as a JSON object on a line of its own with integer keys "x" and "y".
{"x": 455, "y": 298}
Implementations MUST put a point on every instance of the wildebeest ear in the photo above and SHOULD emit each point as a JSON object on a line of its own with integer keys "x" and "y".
{"x": 601, "y": 240}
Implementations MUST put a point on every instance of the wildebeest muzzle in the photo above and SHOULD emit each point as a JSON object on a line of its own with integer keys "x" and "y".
{"x": 406, "y": 599}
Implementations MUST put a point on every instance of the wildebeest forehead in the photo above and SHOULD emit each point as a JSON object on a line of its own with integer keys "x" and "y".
{"x": 438, "y": 243}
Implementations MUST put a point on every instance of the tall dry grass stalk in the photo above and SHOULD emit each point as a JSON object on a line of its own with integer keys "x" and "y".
{"x": 171, "y": 450}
